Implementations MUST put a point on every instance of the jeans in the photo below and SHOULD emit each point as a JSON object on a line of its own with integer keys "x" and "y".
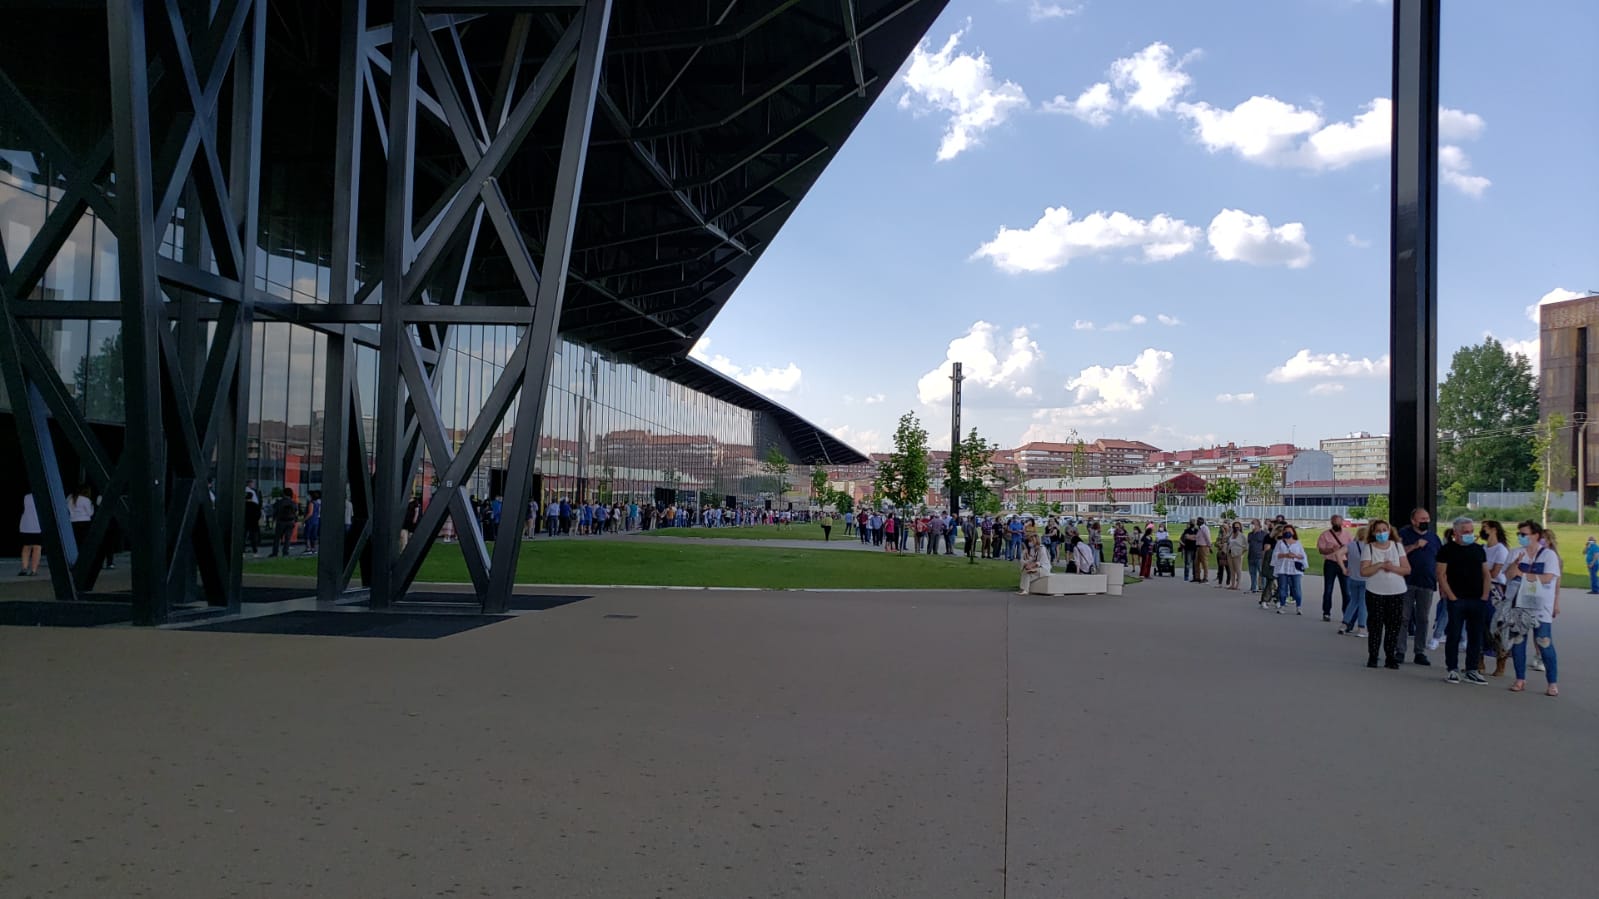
{"x": 1413, "y": 617}
{"x": 1593, "y": 578}
{"x": 1468, "y": 615}
{"x": 1330, "y": 572}
{"x": 1440, "y": 621}
{"x": 1188, "y": 564}
{"x": 313, "y": 533}
{"x": 1013, "y": 548}
{"x": 1254, "y": 575}
{"x": 1289, "y": 584}
{"x": 1355, "y": 607}
{"x": 1546, "y": 651}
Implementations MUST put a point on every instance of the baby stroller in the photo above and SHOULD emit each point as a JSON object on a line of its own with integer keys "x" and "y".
{"x": 1165, "y": 559}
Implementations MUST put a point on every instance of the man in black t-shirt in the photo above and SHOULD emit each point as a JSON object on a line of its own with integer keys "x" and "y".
{"x": 1463, "y": 580}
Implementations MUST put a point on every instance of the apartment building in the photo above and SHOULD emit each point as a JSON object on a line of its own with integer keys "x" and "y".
{"x": 1358, "y": 457}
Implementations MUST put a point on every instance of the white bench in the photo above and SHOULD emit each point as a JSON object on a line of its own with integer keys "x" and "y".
{"x": 1069, "y": 585}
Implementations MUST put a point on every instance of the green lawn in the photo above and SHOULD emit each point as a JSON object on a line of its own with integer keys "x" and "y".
{"x": 642, "y": 561}
{"x": 753, "y": 532}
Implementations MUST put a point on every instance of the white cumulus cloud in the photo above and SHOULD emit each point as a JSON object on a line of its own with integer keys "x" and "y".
{"x": 1139, "y": 320}
{"x": 1273, "y": 132}
{"x": 1358, "y": 243}
{"x": 1057, "y": 238}
{"x": 867, "y": 440}
{"x": 1170, "y": 321}
{"x": 1093, "y": 105}
{"x": 1237, "y": 236}
{"x": 874, "y": 399}
{"x": 962, "y": 85}
{"x": 1559, "y": 294}
{"x": 1081, "y": 325}
{"x": 1151, "y": 79}
{"x": 1039, "y": 10}
{"x": 1331, "y": 388}
{"x": 761, "y": 380}
{"x": 1305, "y": 365}
{"x": 1103, "y": 391}
{"x": 1005, "y": 364}
{"x": 1239, "y": 398}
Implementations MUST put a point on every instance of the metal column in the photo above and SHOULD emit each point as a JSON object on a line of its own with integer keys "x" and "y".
{"x": 1413, "y": 355}
{"x": 955, "y": 379}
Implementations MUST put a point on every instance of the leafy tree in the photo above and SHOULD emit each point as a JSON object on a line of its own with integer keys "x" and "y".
{"x": 1262, "y": 485}
{"x": 1377, "y": 507}
{"x": 970, "y": 468}
{"x": 1547, "y": 466}
{"x": 903, "y": 477}
{"x": 1222, "y": 492}
{"x": 1110, "y": 493}
{"x": 710, "y": 499}
{"x": 1486, "y": 405}
{"x": 838, "y": 499}
{"x": 819, "y": 485}
{"x": 777, "y": 466}
{"x": 1358, "y": 512}
{"x": 1455, "y": 495}
{"x": 1079, "y": 462}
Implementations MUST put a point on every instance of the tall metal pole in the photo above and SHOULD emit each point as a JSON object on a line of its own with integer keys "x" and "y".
{"x": 1582, "y": 466}
{"x": 1413, "y": 323}
{"x": 955, "y": 378}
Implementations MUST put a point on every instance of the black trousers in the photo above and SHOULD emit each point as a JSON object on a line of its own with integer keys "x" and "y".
{"x": 1470, "y": 615}
{"x": 283, "y": 537}
{"x": 1331, "y": 572}
{"x": 1384, "y": 615}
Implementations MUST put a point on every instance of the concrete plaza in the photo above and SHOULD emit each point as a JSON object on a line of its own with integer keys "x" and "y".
{"x": 1175, "y": 741}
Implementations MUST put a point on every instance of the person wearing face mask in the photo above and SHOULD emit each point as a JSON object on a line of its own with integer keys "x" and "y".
{"x": 1463, "y": 579}
{"x": 1288, "y": 562}
{"x": 1331, "y": 544}
{"x": 1535, "y": 597}
{"x": 1355, "y": 610}
{"x": 1497, "y": 549}
{"x": 1384, "y": 566}
{"x": 1421, "y": 547}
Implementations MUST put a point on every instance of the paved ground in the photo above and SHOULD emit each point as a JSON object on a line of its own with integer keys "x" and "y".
{"x": 1173, "y": 742}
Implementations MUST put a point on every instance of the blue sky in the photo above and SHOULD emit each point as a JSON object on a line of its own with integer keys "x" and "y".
{"x": 1166, "y": 220}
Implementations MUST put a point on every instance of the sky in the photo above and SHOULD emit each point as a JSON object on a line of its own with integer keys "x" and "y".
{"x": 1167, "y": 221}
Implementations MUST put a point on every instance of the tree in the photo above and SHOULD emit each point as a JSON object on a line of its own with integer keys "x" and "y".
{"x": 902, "y": 478}
{"x": 1222, "y": 492}
{"x": 819, "y": 485}
{"x": 838, "y": 499}
{"x": 1455, "y": 495}
{"x": 1262, "y": 485}
{"x": 1486, "y": 405}
{"x": 777, "y": 466}
{"x": 1377, "y": 507}
{"x": 970, "y": 468}
{"x": 1547, "y": 466}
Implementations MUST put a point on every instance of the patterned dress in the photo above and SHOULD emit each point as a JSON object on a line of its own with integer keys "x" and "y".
{"x": 1119, "y": 548}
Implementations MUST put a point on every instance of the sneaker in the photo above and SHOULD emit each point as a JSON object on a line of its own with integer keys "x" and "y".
{"x": 1421, "y": 659}
{"x": 1280, "y": 610}
{"x": 1452, "y": 677}
{"x": 1326, "y": 617}
{"x": 1371, "y": 661}
{"x": 1299, "y": 611}
{"x": 1392, "y": 664}
{"x": 1432, "y": 645}
{"x": 1536, "y": 664}
{"x": 1473, "y": 677}
{"x": 1362, "y": 634}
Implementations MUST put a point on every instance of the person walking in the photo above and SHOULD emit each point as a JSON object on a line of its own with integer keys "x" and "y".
{"x": 1590, "y": 554}
{"x": 1384, "y": 565}
{"x": 1237, "y": 547}
{"x": 1257, "y": 551}
{"x": 827, "y": 527}
{"x": 1289, "y": 566}
{"x": 1463, "y": 580}
{"x": 1331, "y": 545}
{"x": 1034, "y": 564}
{"x": 1537, "y": 604}
{"x": 1355, "y": 585}
{"x": 890, "y": 535}
{"x": 30, "y": 535}
{"x": 1421, "y": 546}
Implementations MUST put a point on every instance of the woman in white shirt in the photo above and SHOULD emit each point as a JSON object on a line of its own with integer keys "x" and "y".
{"x": 1083, "y": 557}
{"x": 1355, "y": 610}
{"x": 1034, "y": 562}
{"x": 28, "y": 529}
{"x": 1534, "y": 572}
{"x": 1385, "y": 566}
{"x": 1288, "y": 564}
{"x": 81, "y": 510}
{"x": 1497, "y": 549}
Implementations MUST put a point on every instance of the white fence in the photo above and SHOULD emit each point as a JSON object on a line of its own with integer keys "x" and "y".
{"x": 1300, "y": 513}
{"x": 1514, "y": 499}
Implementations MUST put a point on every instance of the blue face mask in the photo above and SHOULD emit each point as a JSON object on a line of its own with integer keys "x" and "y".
{"x": 1382, "y": 537}
{"x": 1523, "y": 539}
{"x": 1468, "y": 539}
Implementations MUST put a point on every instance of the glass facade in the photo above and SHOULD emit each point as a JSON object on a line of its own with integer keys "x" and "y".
{"x": 610, "y": 430}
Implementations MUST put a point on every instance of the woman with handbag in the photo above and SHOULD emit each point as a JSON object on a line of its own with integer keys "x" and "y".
{"x": 1289, "y": 566}
{"x": 1535, "y": 596}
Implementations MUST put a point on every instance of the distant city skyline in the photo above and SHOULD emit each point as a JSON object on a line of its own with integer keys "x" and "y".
{"x": 1166, "y": 222}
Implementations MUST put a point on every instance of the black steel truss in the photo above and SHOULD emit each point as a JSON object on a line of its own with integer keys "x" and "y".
{"x": 699, "y": 127}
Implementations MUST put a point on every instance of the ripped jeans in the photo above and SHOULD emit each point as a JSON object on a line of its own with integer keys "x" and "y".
{"x": 1544, "y": 636}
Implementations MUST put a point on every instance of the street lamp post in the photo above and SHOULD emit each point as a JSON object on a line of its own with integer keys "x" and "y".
{"x": 1582, "y": 465}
